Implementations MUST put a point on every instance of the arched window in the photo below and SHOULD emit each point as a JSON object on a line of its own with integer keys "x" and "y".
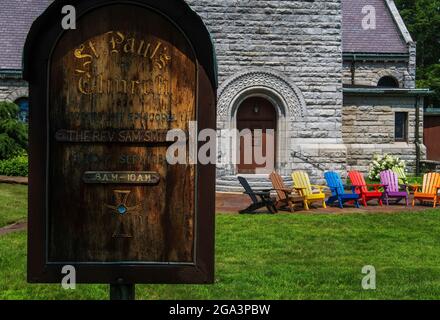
{"x": 388, "y": 82}
{"x": 23, "y": 114}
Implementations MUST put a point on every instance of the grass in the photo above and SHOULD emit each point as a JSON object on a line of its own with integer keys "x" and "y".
{"x": 13, "y": 204}
{"x": 287, "y": 256}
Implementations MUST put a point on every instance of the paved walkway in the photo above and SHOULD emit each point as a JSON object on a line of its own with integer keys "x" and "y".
{"x": 13, "y": 228}
{"x": 14, "y": 180}
{"x": 233, "y": 202}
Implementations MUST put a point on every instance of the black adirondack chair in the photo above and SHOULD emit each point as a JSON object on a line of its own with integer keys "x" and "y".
{"x": 263, "y": 195}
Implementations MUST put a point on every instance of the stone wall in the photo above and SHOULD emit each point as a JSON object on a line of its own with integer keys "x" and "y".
{"x": 289, "y": 52}
{"x": 369, "y": 73}
{"x": 12, "y": 89}
{"x": 368, "y": 128}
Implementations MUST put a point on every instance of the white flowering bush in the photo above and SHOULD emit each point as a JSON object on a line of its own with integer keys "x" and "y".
{"x": 384, "y": 162}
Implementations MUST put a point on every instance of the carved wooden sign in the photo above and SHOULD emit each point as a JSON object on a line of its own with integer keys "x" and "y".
{"x": 103, "y": 97}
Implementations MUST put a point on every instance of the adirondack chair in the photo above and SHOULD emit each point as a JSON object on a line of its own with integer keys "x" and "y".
{"x": 301, "y": 183}
{"x": 286, "y": 196}
{"x": 401, "y": 175}
{"x": 429, "y": 190}
{"x": 264, "y": 198}
{"x": 393, "y": 190}
{"x": 335, "y": 184}
{"x": 365, "y": 195}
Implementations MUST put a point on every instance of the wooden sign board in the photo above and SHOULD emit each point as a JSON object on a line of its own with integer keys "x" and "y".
{"x": 103, "y": 197}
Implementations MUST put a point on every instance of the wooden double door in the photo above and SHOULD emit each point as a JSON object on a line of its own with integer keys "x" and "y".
{"x": 431, "y": 136}
{"x": 258, "y": 115}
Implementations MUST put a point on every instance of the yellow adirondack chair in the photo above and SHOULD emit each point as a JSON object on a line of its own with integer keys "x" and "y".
{"x": 310, "y": 193}
{"x": 429, "y": 191}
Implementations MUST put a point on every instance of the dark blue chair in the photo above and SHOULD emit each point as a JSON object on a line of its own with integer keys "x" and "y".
{"x": 335, "y": 184}
{"x": 264, "y": 200}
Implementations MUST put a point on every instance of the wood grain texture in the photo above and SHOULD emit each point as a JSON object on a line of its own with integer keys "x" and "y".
{"x": 103, "y": 79}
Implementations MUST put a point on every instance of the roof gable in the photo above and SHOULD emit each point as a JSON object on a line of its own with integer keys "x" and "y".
{"x": 388, "y": 37}
{"x": 18, "y": 16}
{"x": 16, "y": 20}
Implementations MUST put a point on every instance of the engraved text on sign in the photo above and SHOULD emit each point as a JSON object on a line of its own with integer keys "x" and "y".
{"x": 117, "y": 87}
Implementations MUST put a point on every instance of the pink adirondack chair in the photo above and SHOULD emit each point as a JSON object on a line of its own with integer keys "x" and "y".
{"x": 393, "y": 190}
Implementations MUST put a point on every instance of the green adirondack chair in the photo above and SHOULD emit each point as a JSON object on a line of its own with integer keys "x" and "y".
{"x": 401, "y": 175}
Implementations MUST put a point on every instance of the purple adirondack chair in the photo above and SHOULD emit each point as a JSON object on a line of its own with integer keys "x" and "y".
{"x": 392, "y": 188}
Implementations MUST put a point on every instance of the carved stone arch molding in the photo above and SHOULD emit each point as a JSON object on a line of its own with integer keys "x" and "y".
{"x": 18, "y": 93}
{"x": 266, "y": 80}
{"x": 271, "y": 85}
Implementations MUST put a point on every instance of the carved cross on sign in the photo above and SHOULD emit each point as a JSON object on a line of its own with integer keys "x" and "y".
{"x": 122, "y": 209}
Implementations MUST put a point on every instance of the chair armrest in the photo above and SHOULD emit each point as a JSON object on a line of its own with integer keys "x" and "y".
{"x": 283, "y": 189}
{"x": 335, "y": 190}
{"x": 319, "y": 187}
{"x": 376, "y": 186}
{"x": 415, "y": 187}
{"x": 300, "y": 190}
{"x": 258, "y": 193}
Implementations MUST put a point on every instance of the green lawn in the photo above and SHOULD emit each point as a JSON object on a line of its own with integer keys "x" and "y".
{"x": 13, "y": 204}
{"x": 287, "y": 256}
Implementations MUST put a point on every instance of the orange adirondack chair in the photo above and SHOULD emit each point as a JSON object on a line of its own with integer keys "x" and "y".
{"x": 430, "y": 188}
{"x": 286, "y": 196}
{"x": 361, "y": 188}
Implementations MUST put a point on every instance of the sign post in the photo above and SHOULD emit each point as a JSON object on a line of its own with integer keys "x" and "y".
{"x": 105, "y": 98}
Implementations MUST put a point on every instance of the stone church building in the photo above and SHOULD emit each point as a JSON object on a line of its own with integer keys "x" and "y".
{"x": 334, "y": 92}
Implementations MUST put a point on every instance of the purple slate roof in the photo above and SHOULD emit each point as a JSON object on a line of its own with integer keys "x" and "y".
{"x": 16, "y": 17}
{"x": 386, "y": 38}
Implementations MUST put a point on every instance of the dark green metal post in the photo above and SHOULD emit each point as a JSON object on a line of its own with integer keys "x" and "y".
{"x": 121, "y": 291}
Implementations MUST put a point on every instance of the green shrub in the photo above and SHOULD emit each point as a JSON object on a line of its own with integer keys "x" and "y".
{"x": 13, "y": 133}
{"x": 15, "y": 167}
{"x": 381, "y": 163}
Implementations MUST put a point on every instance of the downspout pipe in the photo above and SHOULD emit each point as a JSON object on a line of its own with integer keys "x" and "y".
{"x": 353, "y": 70}
{"x": 417, "y": 136}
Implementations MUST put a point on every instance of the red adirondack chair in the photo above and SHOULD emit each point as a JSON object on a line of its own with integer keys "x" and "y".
{"x": 361, "y": 188}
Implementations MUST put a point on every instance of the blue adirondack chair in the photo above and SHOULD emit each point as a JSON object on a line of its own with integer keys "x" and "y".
{"x": 335, "y": 184}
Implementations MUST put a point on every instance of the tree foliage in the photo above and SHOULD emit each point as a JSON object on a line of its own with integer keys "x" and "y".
{"x": 422, "y": 17}
{"x": 13, "y": 133}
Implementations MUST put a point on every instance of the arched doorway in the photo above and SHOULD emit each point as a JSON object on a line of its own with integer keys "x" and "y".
{"x": 258, "y": 115}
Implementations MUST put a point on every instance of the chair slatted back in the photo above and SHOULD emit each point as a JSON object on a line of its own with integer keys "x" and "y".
{"x": 357, "y": 179}
{"x": 301, "y": 180}
{"x": 245, "y": 184}
{"x": 390, "y": 179}
{"x": 400, "y": 174}
{"x": 278, "y": 185}
{"x": 334, "y": 182}
{"x": 430, "y": 182}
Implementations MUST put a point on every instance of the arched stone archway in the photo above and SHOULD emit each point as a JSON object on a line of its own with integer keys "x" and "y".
{"x": 17, "y": 93}
{"x": 269, "y": 84}
{"x": 388, "y": 73}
